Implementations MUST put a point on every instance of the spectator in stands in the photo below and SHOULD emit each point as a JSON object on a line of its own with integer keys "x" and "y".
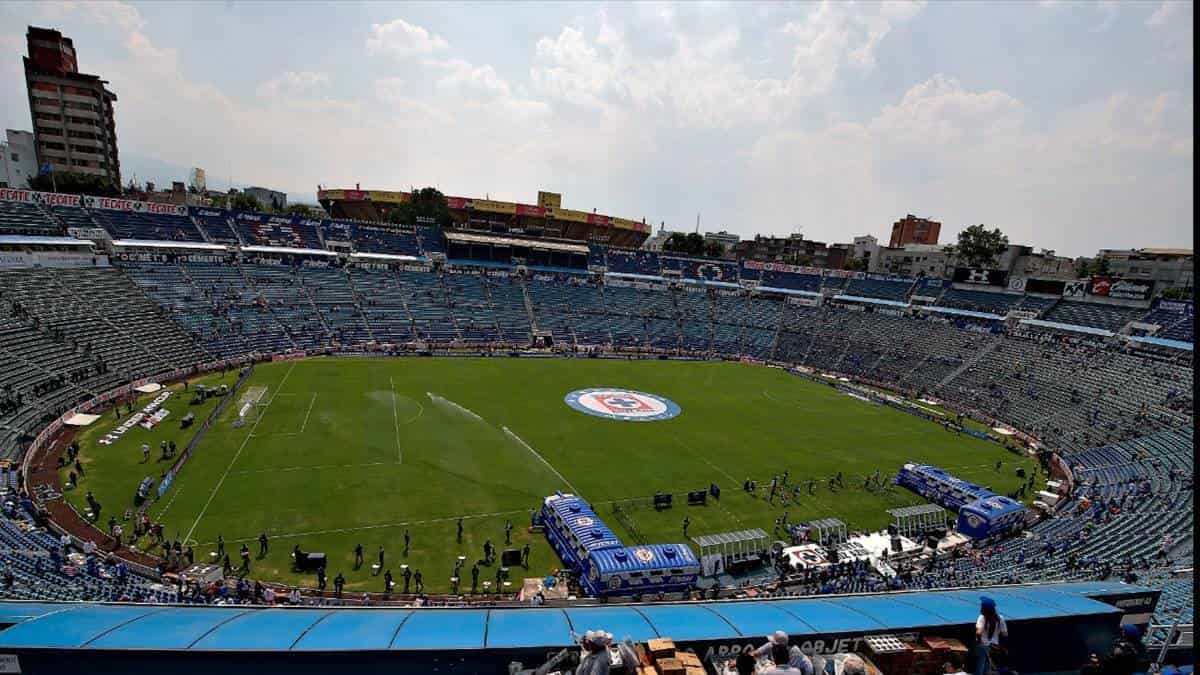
{"x": 952, "y": 667}
{"x": 989, "y": 629}
{"x": 1129, "y": 654}
{"x": 793, "y": 658}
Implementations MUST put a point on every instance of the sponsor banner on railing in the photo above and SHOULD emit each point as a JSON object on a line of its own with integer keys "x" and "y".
{"x": 35, "y": 197}
{"x": 89, "y": 233}
{"x": 22, "y": 260}
{"x": 781, "y": 267}
{"x": 980, "y": 276}
{"x": 112, "y": 204}
{"x": 1177, "y": 306}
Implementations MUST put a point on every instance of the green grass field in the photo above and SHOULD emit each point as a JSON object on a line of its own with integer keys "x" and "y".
{"x": 354, "y": 451}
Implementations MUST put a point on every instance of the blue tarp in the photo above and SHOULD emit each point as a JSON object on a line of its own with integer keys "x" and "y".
{"x": 80, "y": 625}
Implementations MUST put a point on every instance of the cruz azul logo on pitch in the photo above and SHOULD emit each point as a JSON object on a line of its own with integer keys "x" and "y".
{"x": 622, "y": 404}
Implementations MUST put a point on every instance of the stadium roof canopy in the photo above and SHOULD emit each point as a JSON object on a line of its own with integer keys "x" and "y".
{"x": 313, "y": 629}
{"x": 1162, "y": 342}
{"x": 631, "y": 275}
{"x": 711, "y": 282}
{"x": 918, "y": 510}
{"x": 1068, "y": 327}
{"x": 386, "y": 256}
{"x": 963, "y": 312}
{"x": 728, "y": 538}
{"x": 873, "y": 301}
{"x": 492, "y": 240}
{"x": 788, "y": 291}
{"x": 286, "y": 250}
{"x": 23, "y": 240}
{"x": 149, "y": 243}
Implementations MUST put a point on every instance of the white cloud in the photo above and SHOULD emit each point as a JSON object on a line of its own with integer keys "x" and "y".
{"x": 291, "y": 83}
{"x": 402, "y": 39}
{"x": 964, "y": 156}
{"x": 704, "y": 82}
{"x": 1167, "y": 12}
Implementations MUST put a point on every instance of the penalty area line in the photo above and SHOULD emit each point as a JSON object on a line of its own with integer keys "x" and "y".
{"x": 550, "y": 466}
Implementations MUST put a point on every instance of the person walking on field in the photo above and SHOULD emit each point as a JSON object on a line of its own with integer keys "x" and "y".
{"x": 262, "y": 544}
{"x": 358, "y": 556}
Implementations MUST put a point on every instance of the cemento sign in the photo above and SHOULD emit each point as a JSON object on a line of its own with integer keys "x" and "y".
{"x": 622, "y": 404}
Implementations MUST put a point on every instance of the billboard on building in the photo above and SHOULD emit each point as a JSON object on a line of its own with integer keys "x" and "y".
{"x": 1048, "y": 286}
{"x": 1075, "y": 289}
{"x": 1122, "y": 289}
{"x": 980, "y": 276}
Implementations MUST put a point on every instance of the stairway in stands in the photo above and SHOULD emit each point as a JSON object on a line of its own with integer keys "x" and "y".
{"x": 987, "y": 349}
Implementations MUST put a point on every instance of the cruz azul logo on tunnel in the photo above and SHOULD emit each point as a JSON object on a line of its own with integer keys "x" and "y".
{"x": 622, "y": 404}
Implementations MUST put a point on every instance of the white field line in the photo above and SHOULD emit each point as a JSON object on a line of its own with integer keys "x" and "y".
{"x": 550, "y": 466}
{"x": 238, "y": 454}
{"x": 169, "y": 503}
{"x": 380, "y": 526}
{"x": 314, "y": 467}
{"x": 396, "y": 422}
{"x": 310, "y": 407}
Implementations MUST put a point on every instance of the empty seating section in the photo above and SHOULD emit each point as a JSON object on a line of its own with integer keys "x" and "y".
{"x": 382, "y": 299}
{"x": 633, "y": 262}
{"x": 507, "y": 296}
{"x": 280, "y": 231}
{"x": 329, "y": 291}
{"x": 884, "y": 289}
{"x": 698, "y": 268}
{"x": 281, "y": 292}
{"x": 471, "y": 309}
{"x": 797, "y": 282}
{"x": 146, "y": 226}
{"x": 27, "y": 219}
{"x": 217, "y": 225}
{"x": 71, "y": 216}
{"x": 429, "y": 306}
{"x": 384, "y": 239}
{"x": 1107, "y": 317}
{"x": 1174, "y": 325}
{"x": 979, "y": 301}
{"x": 1035, "y": 303}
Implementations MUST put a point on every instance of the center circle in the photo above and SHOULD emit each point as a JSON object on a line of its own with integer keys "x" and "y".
{"x": 622, "y": 404}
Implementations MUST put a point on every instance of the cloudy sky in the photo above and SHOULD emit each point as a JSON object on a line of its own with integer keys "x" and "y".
{"x": 1066, "y": 124}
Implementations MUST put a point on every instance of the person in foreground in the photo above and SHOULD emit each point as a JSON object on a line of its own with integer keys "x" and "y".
{"x": 990, "y": 628}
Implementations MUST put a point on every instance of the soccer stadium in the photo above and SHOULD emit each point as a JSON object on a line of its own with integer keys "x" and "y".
{"x": 506, "y": 437}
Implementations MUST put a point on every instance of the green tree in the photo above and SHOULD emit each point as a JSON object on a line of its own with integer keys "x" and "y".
{"x": 74, "y": 182}
{"x": 302, "y": 210}
{"x": 423, "y": 207}
{"x": 244, "y": 202}
{"x": 855, "y": 264}
{"x": 219, "y": 201}
{"x": 979, "y": 247}
{"x": 713, "y": 249}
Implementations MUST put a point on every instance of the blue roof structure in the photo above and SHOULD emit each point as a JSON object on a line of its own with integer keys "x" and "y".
{"x": 644, "y": 558}
{"x": 241, "y": 628}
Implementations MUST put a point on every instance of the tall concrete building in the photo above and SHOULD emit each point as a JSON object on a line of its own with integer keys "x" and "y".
{"x": 18, "y": 159}
{"x": 914, "y": 230}
{"x": 72, "y": 112}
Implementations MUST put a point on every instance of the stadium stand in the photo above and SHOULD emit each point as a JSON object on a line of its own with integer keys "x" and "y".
{"x": 979, "y": 301}
{"x": 1118, "y": 414}
{"x": 1107, "y": 317}
{"x": 27, "y": 219}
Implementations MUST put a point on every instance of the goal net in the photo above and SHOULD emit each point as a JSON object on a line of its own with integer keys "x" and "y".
{"x": 251, "y": 405}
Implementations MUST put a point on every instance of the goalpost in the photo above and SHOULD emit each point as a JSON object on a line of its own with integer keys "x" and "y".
{"x": 251, "y": 406}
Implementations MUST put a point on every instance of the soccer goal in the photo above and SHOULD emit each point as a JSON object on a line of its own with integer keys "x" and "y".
{"x": 251, "y": 406}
